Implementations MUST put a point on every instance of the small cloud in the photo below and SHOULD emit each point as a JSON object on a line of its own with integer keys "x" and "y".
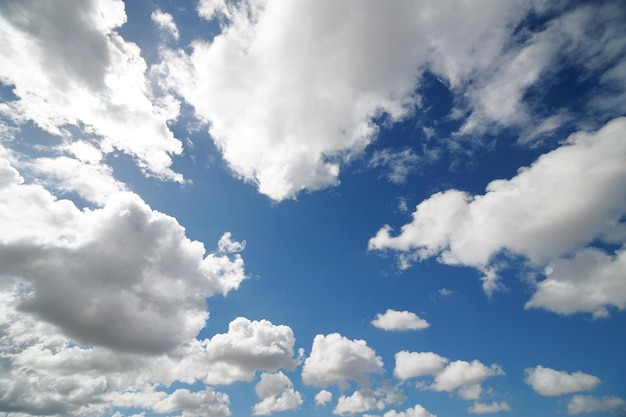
{"x": 583, "y": 404}
{"x": 494, "y": 407}
{"x": 549, "y": 382}
{"x": 323, "y": 397}
{"x": 399, "y": 165}
{"x": 399, "y": 320}
{"x": 165, "y": 22}
{"x": 444, "y": 292}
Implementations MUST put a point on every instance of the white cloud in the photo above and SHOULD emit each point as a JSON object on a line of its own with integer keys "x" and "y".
{"x": 359, "y": 402}
{"x": 415, "y": 364}
{"x": 323, "y": 397}
{"x": 335, "y": 359}
{"x": 248, "y": 346}
{"x": 416, "y": 411}
{"x": 399, "y": 165}
{"x": 465, "y": 377}
{"x": 165, "y": 22}
{"x": 205, "y": 403}
{"x": 484, "y": 408}
{"x": 549, "y": 382}
{"x": 107, "y": 276}
{"x": 588, "y": 282}
{"x": 290, "y": 92}
{"x": 556, "y": 206}
{"x": 583, "y": 404}
{"x": 276, "y": 393}
{"x": 399, "y": 320}
{"x": 70, "y": 68}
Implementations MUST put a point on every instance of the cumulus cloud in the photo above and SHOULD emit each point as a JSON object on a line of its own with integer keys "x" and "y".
{"x": 165, "y": 22}
{"x": 248, "y": 346}
{"x": 346, "y": 67}
{"x": 205, "y": 403}
{"x": 360, "y": 401}
{"x": 415, "y": 364}
{"x": 335, "y": 360}
{"x": 276, "y": 393}
{"x": 122, "y": 276}
{"x": 590, "y": 281}
{"x": 68, "y": 66}
{"x": 399, "y": 320}
{"x": 558, "y": 205}
{"x": 489, "y": 408}
{"x": 584, "y": 404}
{"x": 323, "y": 397}
{"x": 550, "y": 382}
{"x": 416, "y": 411}
{"x": 465, "y": 378}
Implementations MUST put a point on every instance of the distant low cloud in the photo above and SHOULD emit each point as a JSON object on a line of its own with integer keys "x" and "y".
{"x": 586, "y": 404}
{"x": 335, "y": 360}
{"x": 550, "y": 382}
{"x": 489, "y": 408}
{"x": 399, "y": 321}
{"x": 416, "y": 411}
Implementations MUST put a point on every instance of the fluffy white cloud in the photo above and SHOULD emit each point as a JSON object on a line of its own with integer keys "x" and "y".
{"x": 484, "y": 408}
{"x": 415, "y": 364}
{"x": 287, "y": 107}
{"x": 549, "y": 382}
{"x": 122, "y": 276}
{"x": 360, "y": 401}
{"x": 556, "y": 206}
{"x": 323, "y": 397}
{"x": 417, "y": 411}
{"x": 69, "y": 67}
{"x": 589, "y": 282}
{"x": 335, "y": 359}
{"x": 399, "y": 320}
{"x": 276, "y": 393}
{"x": 461, "y": 376}
{"x": 465, "y": 377}
{"x": 165, "y": 22}
{"x": 583, "y": 404}
{"x": 207, "y": 403}
{"x": 248, "y": 346}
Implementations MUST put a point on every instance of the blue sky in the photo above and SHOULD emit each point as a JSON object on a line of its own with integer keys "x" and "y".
{"x": 313, "y": 208}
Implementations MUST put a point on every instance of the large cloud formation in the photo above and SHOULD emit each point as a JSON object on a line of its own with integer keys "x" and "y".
{"x": 69, "y": 68}
{"x": 563, "y": 202}
{"x": 290, "y": 92}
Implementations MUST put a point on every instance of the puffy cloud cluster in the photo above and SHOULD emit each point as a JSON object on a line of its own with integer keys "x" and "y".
{"x": 464, "y": 378}
{"x": 122, "y": 276}
{"x": 399, "y": 320}
{"x": 416, "y": 411}
{"x": 165, "y": 22}
{"x": 287, "y": 107}
{"x": 367, "y": 399}
{"x": 555, "y": 207}
{"x": 69, "y": 67}
{"x": 276, "y": 393}
{"x": 550, "y": 382}
{"x": 323, "y": 397}
{"x": 248, "y": 346}
{"x": 335, "y": 360}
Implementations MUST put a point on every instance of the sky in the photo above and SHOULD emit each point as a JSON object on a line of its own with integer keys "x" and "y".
{"x": 312, "y": 208}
